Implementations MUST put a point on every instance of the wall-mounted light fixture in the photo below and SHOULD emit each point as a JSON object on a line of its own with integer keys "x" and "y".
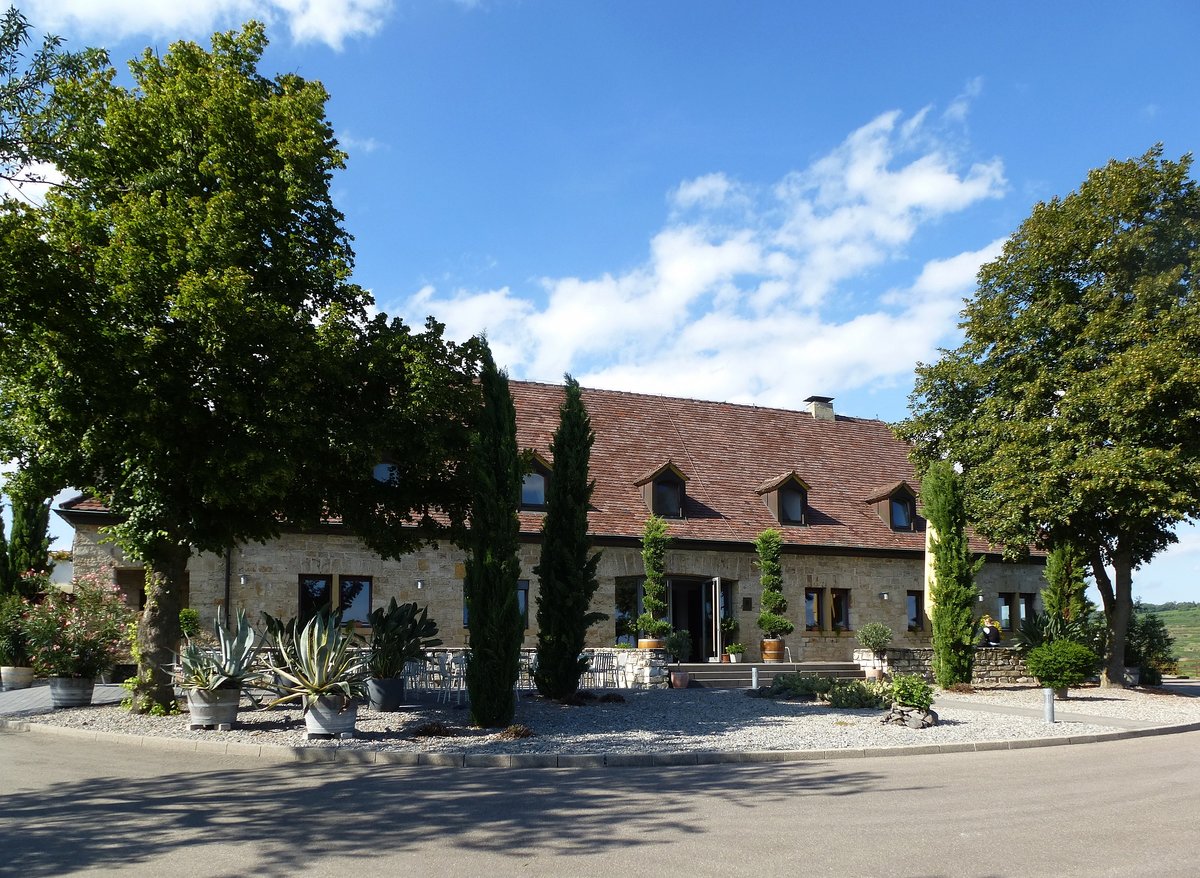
{"x": 981, "y": 599}
{"x": 420, "y": 584}
{"x": 243, "y": 579}
{"x": 883, "y": 596}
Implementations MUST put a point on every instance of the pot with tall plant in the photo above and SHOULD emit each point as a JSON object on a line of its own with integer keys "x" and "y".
{"x": 679, "y": 647}
{"x": 771, "y": 620}
{"x": 875, "y": 636}
{"x": 15, "y": 670}
{"x": 652, "y": 622}
{"x": 74, "y": 636}
{"x": 213, "y": 679}
{"x": 319, "y": 669}
{"x": 399, "y": 634}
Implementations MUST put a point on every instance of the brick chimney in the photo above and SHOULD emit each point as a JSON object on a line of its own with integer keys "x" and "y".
{"x": 821, "y": 408}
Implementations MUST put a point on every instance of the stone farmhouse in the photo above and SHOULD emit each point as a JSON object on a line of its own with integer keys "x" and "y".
{"x": 840, "y": 489}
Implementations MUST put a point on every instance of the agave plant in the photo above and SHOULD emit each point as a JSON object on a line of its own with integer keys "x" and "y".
{"x": 318, "y": 662}
{"x": 230, "y": 669}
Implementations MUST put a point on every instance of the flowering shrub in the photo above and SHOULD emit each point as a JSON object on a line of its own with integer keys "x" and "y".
{"x": 79, "y": 634}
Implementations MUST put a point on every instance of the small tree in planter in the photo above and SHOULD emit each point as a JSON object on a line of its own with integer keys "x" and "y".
{"x": 654, "y": 557}
{"x": 875, "y": 636}
{"x": 1061, "y": 664}
{"x": 771, "y": 620}
{"x": 679, "y": 647}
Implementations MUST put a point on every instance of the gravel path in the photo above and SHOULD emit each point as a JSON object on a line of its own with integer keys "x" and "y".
{"x": 674, "y": 721}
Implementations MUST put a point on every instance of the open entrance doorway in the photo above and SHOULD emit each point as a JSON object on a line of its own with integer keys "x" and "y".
{"x": 698, "y": 605}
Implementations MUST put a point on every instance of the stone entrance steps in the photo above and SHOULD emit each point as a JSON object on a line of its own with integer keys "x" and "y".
{"x": 720, "y": 675}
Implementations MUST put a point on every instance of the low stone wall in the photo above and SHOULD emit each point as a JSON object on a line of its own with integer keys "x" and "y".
{"x": 638, "y": 668}
{"x": 994, "y": 666}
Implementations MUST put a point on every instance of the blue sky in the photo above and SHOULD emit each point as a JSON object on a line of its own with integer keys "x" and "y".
{"x": 753, "y": 202}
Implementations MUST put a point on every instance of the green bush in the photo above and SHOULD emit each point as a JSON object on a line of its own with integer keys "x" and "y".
{"x": 911, "y": 690}
{"x": 679, "y": 645}
{"x": 189, "y": 622}
{"x": 874, "y": 636}
{"x": 1061, "y": 664}
{"x": 1149, "y": 646}
{"x": 798, "y": 686}
{"x": 859, "y": 694}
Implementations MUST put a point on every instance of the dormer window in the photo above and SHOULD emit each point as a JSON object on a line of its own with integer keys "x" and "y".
{"x": 787, "y": 498}
{"x": 386, "y": 473}
{"x": 664, "y": 490}
{"x": 535, "y": 484}
{"x": 897, "y": 506}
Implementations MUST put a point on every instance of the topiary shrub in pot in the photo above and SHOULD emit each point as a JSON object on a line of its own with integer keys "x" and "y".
{"x": 651, "y": 623}
{"x": 771, "y": 620}
{"x": 679, "y": 647}
{"x": 1061, "y": 664}
{"x": 875, "y": 636}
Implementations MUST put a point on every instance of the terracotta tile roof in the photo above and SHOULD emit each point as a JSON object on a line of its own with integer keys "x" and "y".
{"x": 728, "y": 452}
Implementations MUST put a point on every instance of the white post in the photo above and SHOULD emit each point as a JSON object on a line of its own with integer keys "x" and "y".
{"x": 1048, "y": 693}
{"x": 754, "y": 677}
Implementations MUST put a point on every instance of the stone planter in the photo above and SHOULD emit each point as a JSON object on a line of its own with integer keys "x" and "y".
{"x": 328, "y": 717}
{"x": 213, "y": 708}
{"x": 385, "y": 694}
{"x": 772, "y": 650}
{"x": 16, "y": 677}
{"x": 71, "y": 691}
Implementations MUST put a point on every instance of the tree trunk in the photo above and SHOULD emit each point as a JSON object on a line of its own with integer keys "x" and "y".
{"x": 158, "y": 631}
{"x": 1117, "y": 597}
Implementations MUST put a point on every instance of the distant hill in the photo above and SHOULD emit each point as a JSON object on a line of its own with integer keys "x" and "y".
{"x": 1182, "y": 619}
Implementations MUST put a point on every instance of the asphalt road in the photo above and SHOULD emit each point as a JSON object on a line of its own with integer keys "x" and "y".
{"x": 1120, "y": 808}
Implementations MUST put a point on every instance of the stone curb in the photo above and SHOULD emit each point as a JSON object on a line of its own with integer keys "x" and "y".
{"x": 326, "y": 755}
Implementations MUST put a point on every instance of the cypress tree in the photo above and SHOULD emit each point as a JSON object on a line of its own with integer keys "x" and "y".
{"x": 954, "y": 594}
{"x": 1063, "y": 596}
{"x": 28, "y": 544}
{"x": 566, "y": 571}
{"x": 492, "y": 567}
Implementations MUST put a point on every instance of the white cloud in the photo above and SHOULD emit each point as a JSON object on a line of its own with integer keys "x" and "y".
{"x": 746, "y": 309}
{"x": 32, "y": 183}
{"x": 308, "y": 21}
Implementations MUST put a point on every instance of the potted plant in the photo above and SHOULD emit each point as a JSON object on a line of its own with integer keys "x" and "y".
{"x": 399, "y": 634}
{"x": 15, "y": 670}
{"x": 320, "y": 670}
{"x": 679, "y": 647}
{"x": 213, "y": 679}
{"x": 875, "y": 636}
{"x": 735, "y": 651}
{"x": 1061, "y": 664}
{"x": 651, "y": 623}
{"x": 771, "y": 620}
{"x": 73, "y": 637}
{"x": 729, "y": 627}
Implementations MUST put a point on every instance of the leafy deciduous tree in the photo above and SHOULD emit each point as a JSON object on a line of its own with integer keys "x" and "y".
{"x": 178, "y": 335}
{"x": 492, "y": 567}
{"x": 1072, "y": 404}
{"x": 566, "y": 570}
{"x": 953, "y": 594}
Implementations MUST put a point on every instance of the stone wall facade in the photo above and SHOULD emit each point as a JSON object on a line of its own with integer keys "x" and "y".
{"x": 994, "y": 666}
{"x": 265, "y": 578}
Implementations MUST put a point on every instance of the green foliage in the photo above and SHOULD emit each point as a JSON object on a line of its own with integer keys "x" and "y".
{"x": 318, "y": 662}
{"x": 655, "y": 539}
{"x": 1061, "y": 664}
{"x": 1072, "y": 403}
{"x": 189, "y": 622}
{"x": 735, "y": 648}
{"x": 771, "y": 620}
{"x": 911, "y": 690}
{"x": 1046, "y": 628}
{"x": 1150, "y": 647}
{"x": 181, "y": 338}
{"x": 1063, "y": 595}
{"x": 838, "y": 693}
{"x": 14, "y": 650}
{"x": 400, "y": 633}
{"x": 228, "y": 667}
{"x": 24, "y": 555}
{"x": 953, "y": 594}
{"x": 679, "y": 645}
{"x": 567, "y": 569}
{"x": 874, "y": 636}
{"x": 493, "y": 569}
{"x": 77, "y": 634}
{"x": 859, "y": 695}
